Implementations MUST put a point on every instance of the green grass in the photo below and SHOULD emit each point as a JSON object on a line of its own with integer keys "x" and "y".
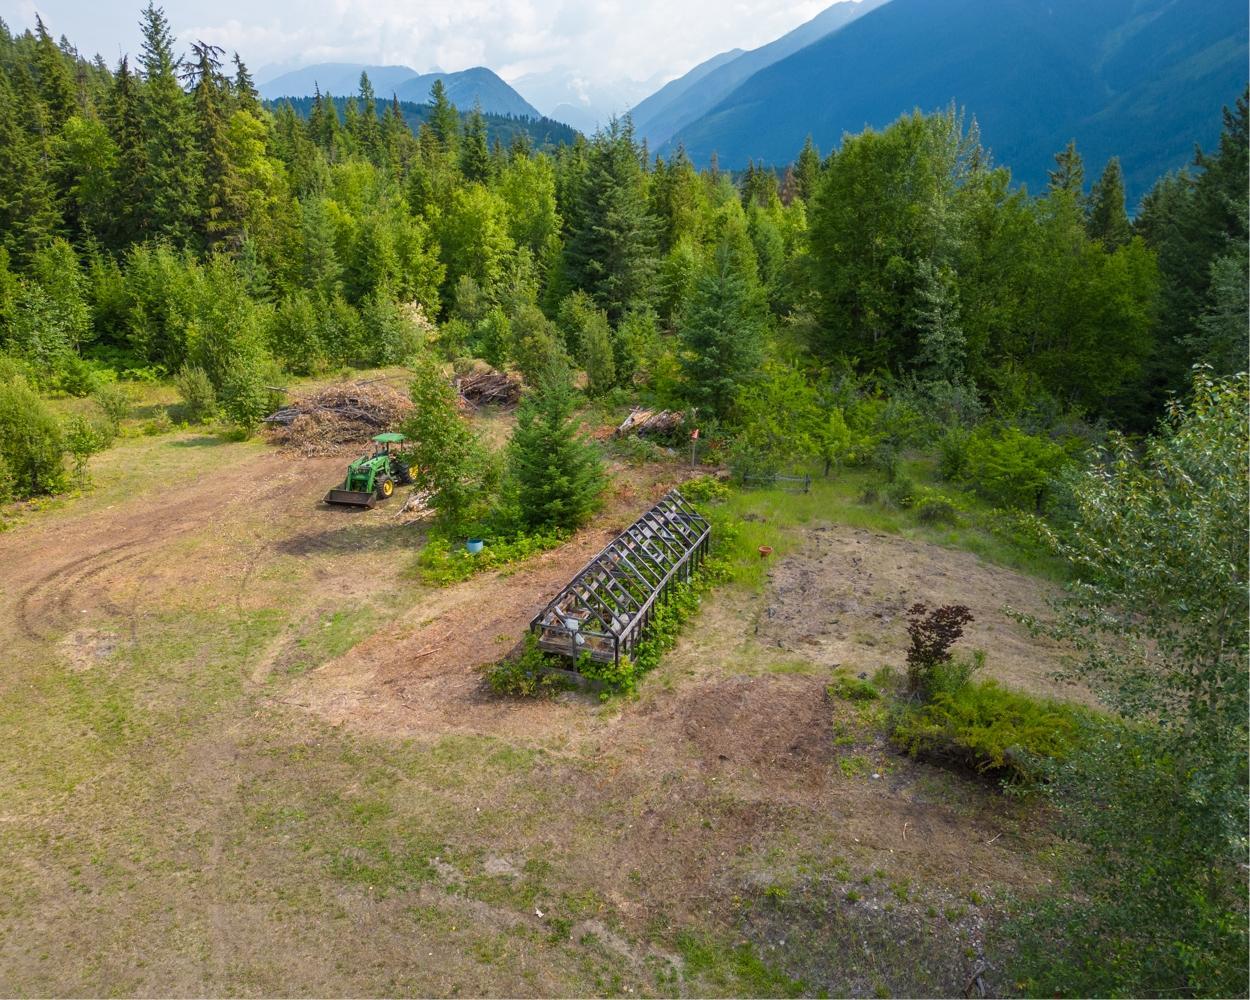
{"x": 768, "y": 517}
{"x": 735, "y": 970}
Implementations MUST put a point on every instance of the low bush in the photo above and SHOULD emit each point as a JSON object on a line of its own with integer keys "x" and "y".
{"x": 936, "y": 510}
{"x": 114, "y": 403}
{"x": 990, "y": 729}
{"x": 901, "y": 492}
{"x": 198, "y": 395}
{"x": 704, "y": 489}
{"x": 853, "y": 689}
{"x": 523, "y": 676}
{"x": 442, "y": 561}
{"x": 932, "y": 635}
{"x": 31, "y": 442}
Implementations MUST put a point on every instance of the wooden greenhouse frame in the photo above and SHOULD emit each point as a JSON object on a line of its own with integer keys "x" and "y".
{"x": 607, "y": 606}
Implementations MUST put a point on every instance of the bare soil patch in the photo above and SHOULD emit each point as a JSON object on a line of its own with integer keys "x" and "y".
{"x": 842, "y": 600}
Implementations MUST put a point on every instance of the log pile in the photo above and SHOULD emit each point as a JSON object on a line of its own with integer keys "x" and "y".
{"x": 343, "y": 415}
{"x": 484, "y": 386}
{"x": 649, "y": 422}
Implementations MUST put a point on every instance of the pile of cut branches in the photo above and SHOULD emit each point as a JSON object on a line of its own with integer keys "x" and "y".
{"x": 484, "y": 385}
{"x": 338, "y": 416}
{"x": 648, "y": 422}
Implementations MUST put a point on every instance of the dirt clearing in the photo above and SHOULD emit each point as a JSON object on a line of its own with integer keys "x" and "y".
{"x": 251, "y": 753}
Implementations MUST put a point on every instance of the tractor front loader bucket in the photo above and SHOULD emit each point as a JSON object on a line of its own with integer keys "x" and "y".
{"x": 351, "y": 498}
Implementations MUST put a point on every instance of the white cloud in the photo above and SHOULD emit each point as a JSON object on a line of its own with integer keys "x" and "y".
{"x": 598, "y": 40}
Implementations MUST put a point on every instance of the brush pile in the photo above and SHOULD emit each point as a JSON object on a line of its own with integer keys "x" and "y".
{"x": 484, "y": 385}
{"x": 343, "y": 415}
{"x": 649, "y": 422}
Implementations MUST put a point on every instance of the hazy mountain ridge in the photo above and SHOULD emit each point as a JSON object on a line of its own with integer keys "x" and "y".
{"x": 687, "y": 98}
{"x": 464, "y": 88}
{"x": 1139, "y": 79}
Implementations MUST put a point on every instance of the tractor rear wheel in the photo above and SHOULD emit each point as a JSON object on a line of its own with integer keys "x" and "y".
{"x": 385, "y": 488}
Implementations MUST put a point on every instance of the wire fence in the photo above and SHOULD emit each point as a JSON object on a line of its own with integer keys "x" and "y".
{"x": 791, "y": 484}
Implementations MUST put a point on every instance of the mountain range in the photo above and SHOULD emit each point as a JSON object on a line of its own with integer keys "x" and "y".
{"x": 689, "y": 97}
{"x": 1140, "y": 79}
{"x": 465, "y": 88}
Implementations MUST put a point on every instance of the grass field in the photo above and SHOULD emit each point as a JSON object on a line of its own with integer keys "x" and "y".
{"x": 249, "y": 753}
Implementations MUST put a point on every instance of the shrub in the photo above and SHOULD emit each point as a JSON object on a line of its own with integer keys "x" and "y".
{"x": 993, "y": 730}
{"x": 78, "y": 377}
{"x": 8, "y": 482}
{"x": 392, "y": 336}
{"x": 522, "y": 675}
{"x": 953, "y": 454}
{"x": 901, "y": 492}
{"x": 853, "y": 689}
{"x": 704, "y": 489}
{"x": 244, "y": 398}
{"x": 443, "y": 561}
{"x": 932, "y": 635}
{"x": 1012, "y": 468}
{"x": 197, "y": 393}
{"x": 596, "y": 354}
{"x": 30, "y": 440}
{"x": 83, "y": 438}
{"x": 936, "y": 510}
{"x": 114, "y": 403}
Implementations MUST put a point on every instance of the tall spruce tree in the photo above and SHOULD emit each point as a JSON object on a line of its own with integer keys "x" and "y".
{"x": 57, "y": 89}
{"x": 223, "y": 193}
{"x": 28, "y": 210}
{"x": 807, "y": 170}
{"x": 557, "y": 476}
{"x": 612, "y": 252}
{"x": 723, "y": 328}
{"x": 475, "y": 156}
{"x": 171, "y": 182}
{"x": 1108, "y": 219}
{"x": 1069, "y": 172}
{"x": 444, "y": 120}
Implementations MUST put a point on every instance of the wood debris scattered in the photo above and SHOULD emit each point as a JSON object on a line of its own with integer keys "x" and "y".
{"x": 485, "y": 386}
{"x": 648, "y": 422}
{"x": 340, "y": 416}
{"x": 416, "y": 507}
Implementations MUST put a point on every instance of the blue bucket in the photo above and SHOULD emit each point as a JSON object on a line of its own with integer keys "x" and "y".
{"x": 474, "y": 546}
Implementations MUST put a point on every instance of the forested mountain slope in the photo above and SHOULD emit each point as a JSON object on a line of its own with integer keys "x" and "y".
{"x": 542, "y": 132}
{"x": 686, "y": 99}
{"x": 1138, "y": 79}
{"x": 477, "y": 85}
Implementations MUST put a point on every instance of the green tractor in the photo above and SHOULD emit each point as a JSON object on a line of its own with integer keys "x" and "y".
{"x": 373, "y": 477}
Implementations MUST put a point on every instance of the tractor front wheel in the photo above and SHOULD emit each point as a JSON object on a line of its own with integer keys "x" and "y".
{"x": 385, "y": 488}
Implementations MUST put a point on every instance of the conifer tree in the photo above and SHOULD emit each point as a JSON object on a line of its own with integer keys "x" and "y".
{"x": 807, "y": 170}
{"x": 222, "y": 213}
{"x": 368, "y": 133}
{"x": 444, "y": 121}
{"x": 612, "y": 252}
{"x": 125, "y": 126}
{"x": 723, "y": 327}
{"x": 1108, "y": 219}
{"x": 245, "y": 95}
{"x": 1069, "y": 172}
{"x": 56, "y": 84}
{"x": 557, "y": 475}
{"x": 475, "y": 157}
{"x": 171, "y": 182}
{"x": 28, "y": 211}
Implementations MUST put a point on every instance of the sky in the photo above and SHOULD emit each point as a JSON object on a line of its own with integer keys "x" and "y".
{"x": 602, "y": 41}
